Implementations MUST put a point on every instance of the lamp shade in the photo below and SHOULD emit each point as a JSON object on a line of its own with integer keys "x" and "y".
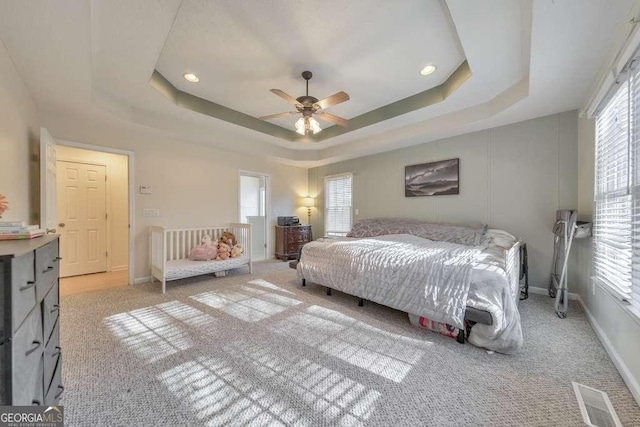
{"x": 308, "y": 202}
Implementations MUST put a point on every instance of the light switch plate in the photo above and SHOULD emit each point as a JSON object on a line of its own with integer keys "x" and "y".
{"x": 151, "y": 212}
{"x": 357, "y": 212}
{"x": 146, "y": 189}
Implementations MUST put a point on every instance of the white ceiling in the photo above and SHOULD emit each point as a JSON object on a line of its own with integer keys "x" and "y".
{"x": 240, "y": 51}
{"x": 93, "y": 59}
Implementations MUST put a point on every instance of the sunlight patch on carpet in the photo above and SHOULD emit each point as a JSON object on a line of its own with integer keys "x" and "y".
{"x": 156, "y": 332}
{"x": 245, "y": 307}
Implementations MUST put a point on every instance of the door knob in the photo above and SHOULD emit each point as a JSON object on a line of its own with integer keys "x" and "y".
{"x": 62, "y": 224}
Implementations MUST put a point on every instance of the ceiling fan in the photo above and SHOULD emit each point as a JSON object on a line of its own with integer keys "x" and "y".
{"x": 310, "y": 106}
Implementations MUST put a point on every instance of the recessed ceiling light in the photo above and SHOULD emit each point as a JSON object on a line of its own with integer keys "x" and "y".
{"x": 190, "y": 77}
{"x": 429, "y": 69}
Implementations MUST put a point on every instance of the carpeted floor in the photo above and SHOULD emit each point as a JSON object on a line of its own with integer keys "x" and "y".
{"x": 261, "y": 350}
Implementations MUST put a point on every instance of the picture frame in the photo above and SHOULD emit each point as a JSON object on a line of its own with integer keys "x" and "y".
{"x": 432, "y": 179}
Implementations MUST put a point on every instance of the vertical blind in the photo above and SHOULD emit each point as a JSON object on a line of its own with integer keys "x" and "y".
{"x": 617, "y": 191}
{"x": 337, "y": 204}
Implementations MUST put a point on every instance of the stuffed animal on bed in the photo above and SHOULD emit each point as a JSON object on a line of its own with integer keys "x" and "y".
{"x": 229, "y": 238}
{"x": 224, "y": 251}
{"x": 236, "y": 251}
{"x": 205, "y": 251}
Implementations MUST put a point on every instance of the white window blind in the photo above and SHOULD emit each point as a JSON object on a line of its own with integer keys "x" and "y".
{"x": 337, "y": 204}
{"x": 617, "y": 191}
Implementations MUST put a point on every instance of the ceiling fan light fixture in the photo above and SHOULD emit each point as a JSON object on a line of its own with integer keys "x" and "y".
{"x": 307, "y": 126}
{"x": 314, "y": 125}
{"x": 428, "y": 69}
{"x": 190, "y": 77}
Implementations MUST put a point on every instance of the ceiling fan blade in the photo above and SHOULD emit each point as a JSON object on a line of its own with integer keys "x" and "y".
{"x": 334, "y": 99}
{"x": 327, "y": 117}
{"x": 275, "y": 116}
{"x": 290, "y": 99}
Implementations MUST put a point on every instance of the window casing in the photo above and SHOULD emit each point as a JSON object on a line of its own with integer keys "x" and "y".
{"x": 617, "y": 190}
{"x": 338, "y": 195}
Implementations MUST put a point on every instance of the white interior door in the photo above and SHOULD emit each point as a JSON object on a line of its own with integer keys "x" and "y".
{"x": 82, "y": 213}
{"x": 48, "y": 208}
{"x": 253, "y": 209}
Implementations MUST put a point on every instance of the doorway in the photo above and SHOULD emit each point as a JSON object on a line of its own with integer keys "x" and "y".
{"x": 92, "y": 209}
{"x": 253, "y": 207}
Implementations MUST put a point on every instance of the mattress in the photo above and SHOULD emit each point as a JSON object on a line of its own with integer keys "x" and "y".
{"x": 181, "y": 268}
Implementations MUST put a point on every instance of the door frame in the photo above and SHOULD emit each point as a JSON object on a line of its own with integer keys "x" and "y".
{"x": 132, "y": 208}
{"x": 107, "y": 200}
{"x": 267, "y": 206}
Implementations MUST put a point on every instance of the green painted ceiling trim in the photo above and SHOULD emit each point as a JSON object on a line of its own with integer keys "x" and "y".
{"x": 389, "y": 111}
{"x": 203, "y": 106}
{"x": 403, "y": 106}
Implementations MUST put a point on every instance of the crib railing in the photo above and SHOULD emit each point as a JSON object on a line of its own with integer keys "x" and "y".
{"x": 169, "y": 244}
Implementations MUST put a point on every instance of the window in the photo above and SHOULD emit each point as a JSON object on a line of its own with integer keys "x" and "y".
{"x": 337, "y": 204}
{"x": 617, "y": 190}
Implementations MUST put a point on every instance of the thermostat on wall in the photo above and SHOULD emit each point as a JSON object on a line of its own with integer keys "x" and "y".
{"x": 145, "y": 189}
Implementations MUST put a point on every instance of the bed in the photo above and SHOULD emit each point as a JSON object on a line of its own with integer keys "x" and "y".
{"x": 462, "y": 278}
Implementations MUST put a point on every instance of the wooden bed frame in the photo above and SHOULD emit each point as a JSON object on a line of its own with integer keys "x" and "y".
{"x": 173, "y": 244}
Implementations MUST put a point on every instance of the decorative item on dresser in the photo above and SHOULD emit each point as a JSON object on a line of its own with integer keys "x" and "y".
{"x": 290, "y": 238}
{"x": 30, "y": 354}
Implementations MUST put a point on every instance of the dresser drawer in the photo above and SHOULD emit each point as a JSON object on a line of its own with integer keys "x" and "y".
{"x": 52, "y": 353}
{"x": 50, "y": 310}
{"x": 23, "y": 288}
{"x": 299, "y": 236}
{"x": 27, "y": 357}
{"x": 47, "y": 268}
{"x": 55, "y": 389}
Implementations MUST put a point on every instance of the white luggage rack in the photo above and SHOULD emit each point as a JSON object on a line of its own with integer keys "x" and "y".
{"x": 170, "y": 249}
{"x": 565, "y": 229}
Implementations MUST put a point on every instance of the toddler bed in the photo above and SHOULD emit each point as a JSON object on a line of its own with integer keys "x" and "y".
{"x": 444, "y": 276}
{"x": 170, "y": 250}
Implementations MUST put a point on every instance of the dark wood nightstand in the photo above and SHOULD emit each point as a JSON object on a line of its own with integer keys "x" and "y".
{"x": 289, "y": 240}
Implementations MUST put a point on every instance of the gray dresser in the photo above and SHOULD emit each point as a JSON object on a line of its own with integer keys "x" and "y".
{"x": 30, "y": 354}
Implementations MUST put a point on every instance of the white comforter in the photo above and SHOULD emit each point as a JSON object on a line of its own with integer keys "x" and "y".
{"x": 419, "y": 276}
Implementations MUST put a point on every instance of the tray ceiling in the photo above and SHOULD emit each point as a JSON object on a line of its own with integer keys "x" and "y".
{"x": 94, "y": 59}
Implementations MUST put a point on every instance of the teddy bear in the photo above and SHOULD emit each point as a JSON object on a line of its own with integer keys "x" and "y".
{"x": 224, "y": 251}
{"x": 205, "y": 251}
{"x": 236, "y": 251}
{"x": 229, "y": 238}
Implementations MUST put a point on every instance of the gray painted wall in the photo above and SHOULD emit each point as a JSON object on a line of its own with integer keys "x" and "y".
{"x": 513, "y": 177}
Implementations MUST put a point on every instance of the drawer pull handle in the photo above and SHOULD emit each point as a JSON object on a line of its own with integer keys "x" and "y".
{"x": 57, "y": 259}
{"x": 28, "y": 286}
{"x": 57, "y": 396}
{"x": 34, "y": 348}
{"x": 48, "y": 269}
{"x": 55, "y": 308}
{"x": 35, "y": 402}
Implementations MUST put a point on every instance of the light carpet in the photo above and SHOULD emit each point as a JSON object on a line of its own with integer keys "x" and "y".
{"x": 262, "y": 350}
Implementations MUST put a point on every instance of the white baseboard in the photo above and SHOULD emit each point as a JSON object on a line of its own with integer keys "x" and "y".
{"x": 140, "y": 280}
{"x": 120, "y": 268}
{"x": 545, "y": 291}
{"x": 628, "y": 378}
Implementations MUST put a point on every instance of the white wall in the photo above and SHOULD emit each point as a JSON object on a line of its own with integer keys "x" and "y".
{"x": 513, "y": 177}
{"x": 118, "y": 203}
{"x": 192, "y": 185}
{"x": 609, "y": 315}
{"x": 19, "y": 145}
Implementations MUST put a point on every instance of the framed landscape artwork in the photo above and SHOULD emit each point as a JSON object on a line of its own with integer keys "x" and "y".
{"x": 432, "y": 179}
